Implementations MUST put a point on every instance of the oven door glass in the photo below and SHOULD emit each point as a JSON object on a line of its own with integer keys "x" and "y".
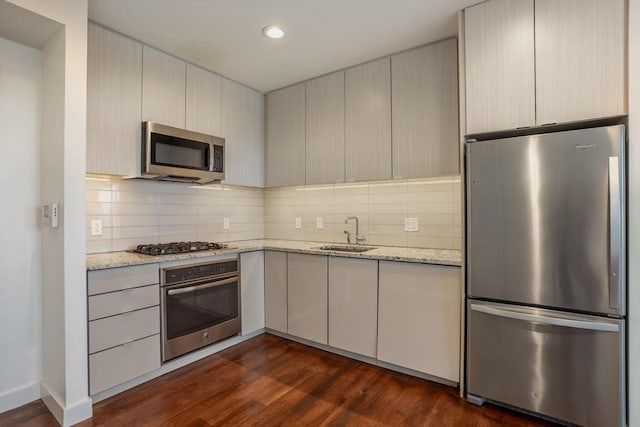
{"x": 192, "y": 308}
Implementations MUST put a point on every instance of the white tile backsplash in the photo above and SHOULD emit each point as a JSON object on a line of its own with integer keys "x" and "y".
{"x": 138, "y": 211}
{"x": 381, "y": 207}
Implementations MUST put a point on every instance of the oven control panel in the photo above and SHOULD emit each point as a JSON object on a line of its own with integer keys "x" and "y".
{"x": 188, "y": 273}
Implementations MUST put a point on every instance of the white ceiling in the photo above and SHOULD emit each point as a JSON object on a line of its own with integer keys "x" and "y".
{"x": 322, "y": 35}
{"x": 22, "y": 26}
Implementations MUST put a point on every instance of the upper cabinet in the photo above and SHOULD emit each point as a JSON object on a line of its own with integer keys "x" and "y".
{"x": 202, "y": 101}
{"x": 499, "y": 62}
{"x": 163, "y": 88}
{"x": 538, "y": 62}
{"x": 338, "y": 127}
{"x": 580, "y": 59}
{"x": 129, "y": 83}
{"x": 285, "y": 157}
{"x": 325, "y": 129}
{"x": 368, "y": 121}
{"x": 242, "y": 126}
{"x": 114, "y": 94}
{"x": 424, "y": 100}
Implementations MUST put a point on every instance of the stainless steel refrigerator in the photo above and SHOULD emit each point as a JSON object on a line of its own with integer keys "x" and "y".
{"x": 546, "y": 282}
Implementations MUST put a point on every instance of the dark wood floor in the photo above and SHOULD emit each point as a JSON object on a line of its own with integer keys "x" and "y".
{"x": 270, "y": 381}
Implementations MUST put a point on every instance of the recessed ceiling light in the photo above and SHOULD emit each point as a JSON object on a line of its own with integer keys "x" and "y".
{"x": 273, "y": 31}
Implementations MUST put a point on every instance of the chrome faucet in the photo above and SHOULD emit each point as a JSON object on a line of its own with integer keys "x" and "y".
{"x": 359, "y": 238}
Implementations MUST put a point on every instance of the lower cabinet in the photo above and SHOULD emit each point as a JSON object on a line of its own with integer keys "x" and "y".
{"x": 405, "y": 314}
{"x": 124, "y": 325}
{"x": 252, "y": 291}
{"x": 275, "y": 290}
{"x": 307, "y": 297}
{"x": 122, "y": 363}
{"x": 419, "y": 318}
{"x": 353, "y": 305}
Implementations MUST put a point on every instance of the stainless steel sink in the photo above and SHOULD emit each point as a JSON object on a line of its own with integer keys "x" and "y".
{"x": 347, "y": 248}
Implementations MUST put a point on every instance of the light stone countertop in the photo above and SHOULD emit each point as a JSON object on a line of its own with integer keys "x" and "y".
{"x": 450, "y": 257}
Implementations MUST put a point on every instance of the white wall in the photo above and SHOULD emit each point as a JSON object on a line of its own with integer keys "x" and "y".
{"x": 53, "y": 292}
{"x": 634, "y": 214}
{"x": 64, "y": 384}
{"x": 20, "y": 340}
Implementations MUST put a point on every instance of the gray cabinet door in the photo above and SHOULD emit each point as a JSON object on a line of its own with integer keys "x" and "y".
{"x": 368, "y": 121}
{"x": 580, "y": 59}
{"x": 275, "y": 290}
{"x": 286, "y": 136}
{"x": 307, "y": 297}
{"x": 242, "y": 118}
{"x": 114, "y": 96}
{"x": 425, "y": 111}
{"x": 325, "y": 129}
{"x": 252, "y": 288}
{"x": 202, "y": 101}
{"x": 163, "y": 88}
{"x": 117, "y": 279}
{"x": 419, "y": 318}
{"x": 499, "y": 65}
{"x": 353, "y": 305}
{"x": 123, "y": 363}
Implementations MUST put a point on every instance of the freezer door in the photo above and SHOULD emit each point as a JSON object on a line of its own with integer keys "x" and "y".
{"x": 564, "y": 366}
{"x": 545, "y": 219}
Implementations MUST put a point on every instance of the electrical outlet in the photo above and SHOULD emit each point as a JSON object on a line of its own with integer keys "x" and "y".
{"x": 411, "y": 224}
{"x": 319, "y": 223}
{"x": 96, "y": 227}
{"x": 298, "y": 223}
{"x": 226, "y": 224}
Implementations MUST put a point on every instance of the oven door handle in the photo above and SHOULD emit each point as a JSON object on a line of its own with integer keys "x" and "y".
{"x": 189, "y": 289}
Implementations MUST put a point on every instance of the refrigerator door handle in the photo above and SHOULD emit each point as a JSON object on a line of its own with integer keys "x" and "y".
{"x": 615, "y": 224}
{"x": 546, "y": 320}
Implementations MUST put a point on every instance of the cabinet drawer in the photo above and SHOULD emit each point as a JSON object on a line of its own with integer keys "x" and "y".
{"x": 123, "y": 363}
{"x": 121, "y": 329}
{"x": 116, "y": 279}
{"x": 123, "y": 301}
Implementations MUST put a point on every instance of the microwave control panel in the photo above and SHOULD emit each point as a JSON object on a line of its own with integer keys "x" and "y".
{"x": 218, "y": 159}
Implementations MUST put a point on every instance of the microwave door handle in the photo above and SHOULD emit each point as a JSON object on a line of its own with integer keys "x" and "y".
{"x": 190, "y": 289}
{"x": 614, "y": 232}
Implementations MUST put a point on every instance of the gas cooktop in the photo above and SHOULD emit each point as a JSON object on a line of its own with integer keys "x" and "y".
{"x": 176, "y": 248}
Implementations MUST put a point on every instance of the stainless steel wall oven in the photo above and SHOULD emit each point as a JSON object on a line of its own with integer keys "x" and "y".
{"x": 200, "y": 305}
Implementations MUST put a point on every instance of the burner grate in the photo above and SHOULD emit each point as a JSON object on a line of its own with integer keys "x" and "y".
{"x": 176, "y": 248}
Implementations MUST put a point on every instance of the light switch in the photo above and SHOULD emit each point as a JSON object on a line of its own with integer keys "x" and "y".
{"x": 319, "y": 223}
{"x": 411, "y": 224}
{"x": 226, "y": 223}
{"x": 298, "y": 223}
{"x": 96, "y": 227}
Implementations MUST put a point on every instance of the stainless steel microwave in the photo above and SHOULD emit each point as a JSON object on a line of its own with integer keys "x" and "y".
{"x": 174, "y": 154}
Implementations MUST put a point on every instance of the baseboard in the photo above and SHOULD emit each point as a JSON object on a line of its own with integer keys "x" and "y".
{"x": 77, "y": 412}
{"x": 52, "y": 402}
{"x": 66, "y": 416}
{"x": 19, "y": 396}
